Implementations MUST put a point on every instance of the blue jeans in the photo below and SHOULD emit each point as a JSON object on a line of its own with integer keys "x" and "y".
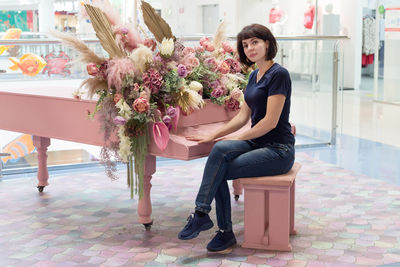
{"x": 232, "y": 159}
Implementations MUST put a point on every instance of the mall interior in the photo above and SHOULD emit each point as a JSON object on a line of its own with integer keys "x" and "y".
{"x": 342, "y": 57}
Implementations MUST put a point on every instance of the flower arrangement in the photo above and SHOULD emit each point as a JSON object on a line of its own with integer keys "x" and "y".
{"x": 148, "y": 84}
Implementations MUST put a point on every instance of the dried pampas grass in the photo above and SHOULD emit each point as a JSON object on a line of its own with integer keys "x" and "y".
{"x": 219, "y": 36}
{"x": 93, "y": 85}
{"x": 157, "y": 25}
{"x": 85, "y": 53}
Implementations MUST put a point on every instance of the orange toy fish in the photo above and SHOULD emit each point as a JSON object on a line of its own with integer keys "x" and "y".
{"x": 29, "y": 64}
{"x": 13, "y": 33}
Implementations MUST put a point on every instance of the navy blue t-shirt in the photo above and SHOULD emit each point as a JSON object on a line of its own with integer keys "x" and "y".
{"x": 274, "y": 82}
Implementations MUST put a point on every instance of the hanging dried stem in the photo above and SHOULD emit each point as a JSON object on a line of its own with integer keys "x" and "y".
{"x": 104, "y": 31}
{"x": 157, "y": 25}
{"x": 85, "y": 53}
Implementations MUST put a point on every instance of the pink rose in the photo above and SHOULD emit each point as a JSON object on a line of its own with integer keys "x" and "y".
{"x": 145, "y": 94}
{"x": 150, "y": 43}
{"x": 92, "y": 69}
{"x": 236, "y": 93}
{"x": 141, "y": 105}
{"x": 223, "y": 67}
{"x": 136, "y": 87}
{"x": 217, "y": 92}
{"x": 117, "y": 98}
{"x": 227, "y": 47}
{"x": 211, "y": 63}
{"x": 190, "y": 62}
{"x": 233, "y": 65}
{"x": 199, "y": 49}
{"x": 188, "y": 50}
{"x": 204, "y": 40}
{"x": 172, "y": 112}
{"x": 208, "y": 46}
{"x": 232, "y": 104}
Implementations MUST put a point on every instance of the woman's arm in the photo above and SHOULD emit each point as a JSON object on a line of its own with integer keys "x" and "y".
{"x": 275, "y": 105}
{"x": 233, "y": 125}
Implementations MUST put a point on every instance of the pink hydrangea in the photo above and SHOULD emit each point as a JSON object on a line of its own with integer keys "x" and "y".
{"x": 153, "y": 80}
{"x": 141, "y": 105}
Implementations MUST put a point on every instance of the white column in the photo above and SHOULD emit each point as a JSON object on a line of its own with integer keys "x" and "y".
{"x": 46, "y": 15}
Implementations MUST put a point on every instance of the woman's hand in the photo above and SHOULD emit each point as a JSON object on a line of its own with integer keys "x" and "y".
{"x": 201, "y": 138}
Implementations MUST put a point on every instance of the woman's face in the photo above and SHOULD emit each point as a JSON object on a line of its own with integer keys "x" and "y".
{"x": 255, "y": 49}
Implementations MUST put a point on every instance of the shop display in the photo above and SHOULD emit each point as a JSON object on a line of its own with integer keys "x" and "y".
{"x": 309, "y": 15}
{"x": 277, "y": 17}
{"x": 11, "y": 34}
{"x": 30, "y": 64}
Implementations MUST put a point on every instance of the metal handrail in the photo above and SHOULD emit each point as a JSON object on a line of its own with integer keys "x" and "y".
{"x": 183, "y": 38}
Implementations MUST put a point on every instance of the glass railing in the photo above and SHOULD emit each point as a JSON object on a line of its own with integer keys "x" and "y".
{"x": 315, "y": 64}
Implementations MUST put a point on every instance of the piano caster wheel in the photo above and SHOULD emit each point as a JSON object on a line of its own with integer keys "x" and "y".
{"x": 236, "y": 197}
{"x": 147, "y": 226}
{"x": 40, "y": 188}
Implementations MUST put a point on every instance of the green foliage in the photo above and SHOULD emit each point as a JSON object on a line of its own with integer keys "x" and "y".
{"x": 172, "y": 82}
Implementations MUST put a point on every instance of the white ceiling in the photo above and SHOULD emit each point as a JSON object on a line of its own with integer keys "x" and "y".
{"x": 18, "y": 4}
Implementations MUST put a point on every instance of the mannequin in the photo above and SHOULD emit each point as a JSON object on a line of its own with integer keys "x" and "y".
{"x": 309, "y": 17}
{"x": 277, "y": 18}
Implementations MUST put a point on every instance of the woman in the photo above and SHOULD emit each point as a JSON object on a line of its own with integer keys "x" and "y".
{"x": 267, "y": 148}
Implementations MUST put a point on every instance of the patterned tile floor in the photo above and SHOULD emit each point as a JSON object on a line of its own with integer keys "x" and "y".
{"x": 84, "y": 219}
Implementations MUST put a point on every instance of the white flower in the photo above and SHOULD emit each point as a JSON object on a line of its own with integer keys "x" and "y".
{"x": 167, "y": 47}
{"x": 141, "y": 56}
{"x": 125, "y": 110}
{"x": 124, "y": 144}
{"x": 195, "y": 86}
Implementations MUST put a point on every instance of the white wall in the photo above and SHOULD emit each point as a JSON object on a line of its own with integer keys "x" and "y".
{"x": 185, "y": 18}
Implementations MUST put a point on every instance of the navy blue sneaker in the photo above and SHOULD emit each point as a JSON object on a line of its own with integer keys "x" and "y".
{"x": 194, "y": 226}
{"x": 221, "y": 241}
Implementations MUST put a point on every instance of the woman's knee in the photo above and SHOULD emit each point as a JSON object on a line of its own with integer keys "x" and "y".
{"x": 222, "y": 147}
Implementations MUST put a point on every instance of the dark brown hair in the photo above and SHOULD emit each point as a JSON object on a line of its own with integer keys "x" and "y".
{"x": 258, "y": 31}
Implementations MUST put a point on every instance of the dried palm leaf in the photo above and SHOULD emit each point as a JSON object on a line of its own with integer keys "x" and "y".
{"x": 219, "y": 36}
{"x": 93, "y": 85}
{"x": 189, "y": 100}
{"x": 104, "y": 31}
{"x": 157, "y": 25}
{"x": 85, "y": 53}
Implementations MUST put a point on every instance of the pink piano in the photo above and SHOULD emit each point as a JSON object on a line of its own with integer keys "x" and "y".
{"x": 46, "y": 109}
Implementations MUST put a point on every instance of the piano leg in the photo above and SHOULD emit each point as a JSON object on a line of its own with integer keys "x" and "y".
{"x": 41, "y": 144}
{"x": 144, "y": 206}
{"x": 237, "y": 188}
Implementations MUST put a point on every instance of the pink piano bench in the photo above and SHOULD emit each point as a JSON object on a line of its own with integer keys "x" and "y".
{"x": 269, "y": 203}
